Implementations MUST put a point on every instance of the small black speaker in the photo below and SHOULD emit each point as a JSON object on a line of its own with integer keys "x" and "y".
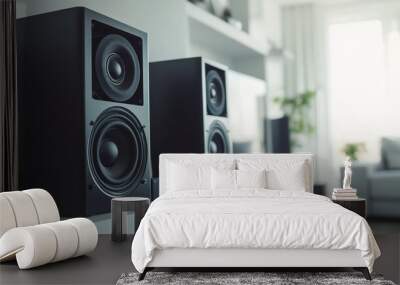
{"x": 280, "y": 135}
{"x": 189, "y": 112}
{"x": 83, "y": 109}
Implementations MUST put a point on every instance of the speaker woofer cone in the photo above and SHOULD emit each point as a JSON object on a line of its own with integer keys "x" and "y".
{"x": 117, "y": 68}
{"x": 117, "y": 152}
{"x": 216, "y": 97}
{"x": 218, "y": 141}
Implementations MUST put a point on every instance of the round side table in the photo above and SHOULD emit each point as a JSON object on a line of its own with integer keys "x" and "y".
{"x": 119, "y": 209}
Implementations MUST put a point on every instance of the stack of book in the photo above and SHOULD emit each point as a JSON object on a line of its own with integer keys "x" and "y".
{"x": 344, "y": 194}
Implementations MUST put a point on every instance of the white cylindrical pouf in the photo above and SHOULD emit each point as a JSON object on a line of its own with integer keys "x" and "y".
{"x": 33, "y": 246}
{"x": 7, "y": 218}
{"x": 31, "y": 232}
{"x": 45, "y": 205}
{"x": 23, "y": 208}
{"x": 87, "y": 234}
{"x": 67, "y": 239}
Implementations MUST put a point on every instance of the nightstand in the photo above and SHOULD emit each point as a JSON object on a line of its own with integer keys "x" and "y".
{"x": 119, "y": 208}
{"x": 358, "y": 206}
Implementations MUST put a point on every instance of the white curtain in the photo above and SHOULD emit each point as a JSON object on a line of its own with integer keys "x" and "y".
{"x": 298, "y": 31}
{"x": 298, "y": 37}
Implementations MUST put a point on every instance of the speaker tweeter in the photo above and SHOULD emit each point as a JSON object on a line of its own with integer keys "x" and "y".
{"x": 117, "y": 58}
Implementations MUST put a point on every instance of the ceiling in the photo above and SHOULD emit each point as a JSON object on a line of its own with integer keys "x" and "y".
{"x": 295, "y": 2}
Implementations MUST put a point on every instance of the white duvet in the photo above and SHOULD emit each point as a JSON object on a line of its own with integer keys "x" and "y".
{"x": 250, "y": 219}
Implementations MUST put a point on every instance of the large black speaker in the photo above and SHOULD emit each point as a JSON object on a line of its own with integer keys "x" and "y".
{"x": 84, "y": 109}
{"x": 280, "y": 135}
{"x": 188, "y": 109}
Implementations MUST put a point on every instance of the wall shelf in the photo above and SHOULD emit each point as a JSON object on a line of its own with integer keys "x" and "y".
{"x": 209, "y": 31}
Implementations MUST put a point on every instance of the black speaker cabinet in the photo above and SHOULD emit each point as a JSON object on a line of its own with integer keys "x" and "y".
{"x": 280, "y": 135}
{"x": 189, "y": 113}
{"x": 84, "y": 109}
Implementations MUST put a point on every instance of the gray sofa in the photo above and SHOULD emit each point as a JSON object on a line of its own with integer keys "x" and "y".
{"x": 380, "y": 183}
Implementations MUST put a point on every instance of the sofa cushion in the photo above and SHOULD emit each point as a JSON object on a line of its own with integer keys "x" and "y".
{"x": 391, "y": 153}
{"x": 385, "y": 184}
{"x": 384, "y": 209}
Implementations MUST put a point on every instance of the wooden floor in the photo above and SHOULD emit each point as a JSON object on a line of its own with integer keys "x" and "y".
{"x": 387, "y": 234}
{"x": 104, "y": 266}
{"x": 110, "y": 260}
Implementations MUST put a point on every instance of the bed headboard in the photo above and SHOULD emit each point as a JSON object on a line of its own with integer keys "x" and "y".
{"x": 210, "y": 158}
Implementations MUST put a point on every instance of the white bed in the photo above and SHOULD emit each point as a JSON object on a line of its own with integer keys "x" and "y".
{"x": 249, "y": 227}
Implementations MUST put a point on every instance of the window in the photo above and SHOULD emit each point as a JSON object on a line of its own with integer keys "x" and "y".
{"x": 363, "y": 74}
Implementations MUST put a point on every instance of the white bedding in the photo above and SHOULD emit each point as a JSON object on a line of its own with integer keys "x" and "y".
{"x": 250, "y": 219}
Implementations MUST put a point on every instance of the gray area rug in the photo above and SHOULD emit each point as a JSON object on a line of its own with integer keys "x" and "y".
{"x": 229, "y": 278}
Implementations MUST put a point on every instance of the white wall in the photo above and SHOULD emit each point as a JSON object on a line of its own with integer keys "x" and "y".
{"x": 244, "y": 93}
{"x": 273, "y": 21}
{"x": 201, "y": 50}
{"x": 164, "y": 21}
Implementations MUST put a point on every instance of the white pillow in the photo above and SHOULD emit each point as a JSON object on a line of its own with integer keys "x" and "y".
{"x": 193, "y": 174}
{"x": 188, "y": 177}
{"x": 226, "y": 179}
{"x": 292, "y": 178}
{"x": 251, "y": 178}
{"x": 282, "y": 174}
{"x": 223, "y": 179}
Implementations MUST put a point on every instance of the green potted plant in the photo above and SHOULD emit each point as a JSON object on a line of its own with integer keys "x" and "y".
{"x": 353, "y": 150}
{"x": 298, "y": 110}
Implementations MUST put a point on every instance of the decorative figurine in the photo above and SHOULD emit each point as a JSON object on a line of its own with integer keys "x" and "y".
{"x": 347, "y": 174}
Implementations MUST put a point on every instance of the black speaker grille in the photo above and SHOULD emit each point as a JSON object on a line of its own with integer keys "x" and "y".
{"x": 117, "y": 65}
{"x": 215, "y": 92}
{"x": 117, "y": 152}
{"x": 218, "y": 141}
